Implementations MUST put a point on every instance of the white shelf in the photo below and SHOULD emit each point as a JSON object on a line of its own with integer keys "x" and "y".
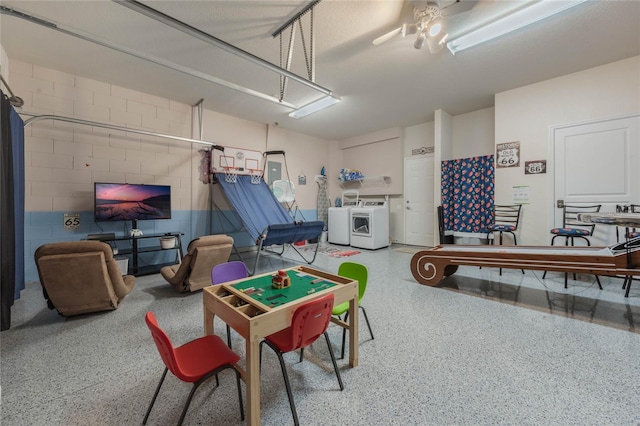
{"x": 366, "y": 181}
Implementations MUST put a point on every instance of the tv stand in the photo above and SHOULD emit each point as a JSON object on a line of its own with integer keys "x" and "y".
{"x": 134, "y": 249}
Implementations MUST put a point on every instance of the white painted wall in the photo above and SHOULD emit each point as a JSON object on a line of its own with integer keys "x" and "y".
{"x": 415, "y": 137}
{"x": 527, "y": 114}
{"x": 64, "y": 159}
{"x": 473, "y": 134}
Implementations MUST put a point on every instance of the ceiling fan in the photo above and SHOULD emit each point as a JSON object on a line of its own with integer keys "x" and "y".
{"x": 428, "y": 23}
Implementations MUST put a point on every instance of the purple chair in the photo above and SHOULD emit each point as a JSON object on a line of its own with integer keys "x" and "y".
{"x": 225, "y": 272}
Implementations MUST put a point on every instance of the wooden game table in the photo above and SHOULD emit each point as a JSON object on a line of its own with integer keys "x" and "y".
{"x": 255, "y": 310}
{"x": 429, "y": 267}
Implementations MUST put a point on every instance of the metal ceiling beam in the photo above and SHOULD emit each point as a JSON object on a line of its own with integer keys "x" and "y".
{"x": 214, "y": 41}
{"x": 140, "y": 55}
{"x": 295, "y": 17}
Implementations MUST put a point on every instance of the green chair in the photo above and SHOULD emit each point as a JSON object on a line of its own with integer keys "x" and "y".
{"x": 358, "y": 272}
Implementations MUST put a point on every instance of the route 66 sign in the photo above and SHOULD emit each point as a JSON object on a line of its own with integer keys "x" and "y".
{"x": 535, "y": 167}
{"x": 508, "y": 154}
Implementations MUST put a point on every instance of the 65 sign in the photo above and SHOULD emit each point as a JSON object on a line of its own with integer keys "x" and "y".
{"x": 71, "y": 221}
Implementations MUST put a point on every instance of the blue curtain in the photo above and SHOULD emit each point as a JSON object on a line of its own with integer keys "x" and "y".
{"x": 11, "y": 209}
{"x": 468, "y": 194}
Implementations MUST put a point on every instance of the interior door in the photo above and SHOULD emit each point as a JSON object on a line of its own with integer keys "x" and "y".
{"x": 597, "y": 163}
{"x": 419, "y": 217}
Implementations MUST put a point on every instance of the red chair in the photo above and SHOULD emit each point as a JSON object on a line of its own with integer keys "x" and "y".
{"x": 225, "y": 272}
{"x": 194, "y": 362}
{"x": 309, "y": 322}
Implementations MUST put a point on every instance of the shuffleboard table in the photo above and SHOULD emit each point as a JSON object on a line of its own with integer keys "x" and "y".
{"x": 429, "y": 267}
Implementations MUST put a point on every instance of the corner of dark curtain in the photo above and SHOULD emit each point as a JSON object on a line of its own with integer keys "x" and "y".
{"x": 11, "y": 208}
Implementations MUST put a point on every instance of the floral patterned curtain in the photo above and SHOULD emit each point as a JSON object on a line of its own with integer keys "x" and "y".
{"x": 468, "y": 194}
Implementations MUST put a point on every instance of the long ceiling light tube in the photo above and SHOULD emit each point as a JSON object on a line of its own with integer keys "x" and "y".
{"x": 140, "y": 55}
{"x": 208, "y": 38}
{"x": 535, "y": 12}
{"x": 314, "y": 106}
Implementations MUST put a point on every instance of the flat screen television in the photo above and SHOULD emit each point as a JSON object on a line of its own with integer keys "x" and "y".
{"x": 124, "y": 201}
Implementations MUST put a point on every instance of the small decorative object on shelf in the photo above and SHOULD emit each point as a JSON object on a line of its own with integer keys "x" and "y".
{"x": 350, "y": 174}
{"x": 365, "y": 181}
{"x": 280, "y": 280}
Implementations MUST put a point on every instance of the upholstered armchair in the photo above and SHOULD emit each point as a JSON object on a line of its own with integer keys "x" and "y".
{"x": 79, "y": 277}
{"x": 194, "y": 272}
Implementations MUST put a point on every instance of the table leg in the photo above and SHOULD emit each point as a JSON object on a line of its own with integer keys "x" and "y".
{"x": 252, "y": 381}
{"x": 354, "y": 335}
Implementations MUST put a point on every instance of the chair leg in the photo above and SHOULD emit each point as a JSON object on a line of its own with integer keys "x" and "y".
{"x": 188, "y": 403}
{"x": 344, "y": 339}
{"x": 515, "y": 243}
{"x": 239, "y": 394}
{"x": 286, "y": 381}
{"x": 229, "y": 336}
{"x": 333, "y": 360}
{"x": 344, "y": 335}
{"x": 155, "y": 395}
{"x": 367, "y": 321}
{"x": 629, "y": 280}
{"x": 344, "y": 330}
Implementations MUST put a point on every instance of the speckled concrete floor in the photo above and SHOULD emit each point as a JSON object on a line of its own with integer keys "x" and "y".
{"x": 452, "y": 355}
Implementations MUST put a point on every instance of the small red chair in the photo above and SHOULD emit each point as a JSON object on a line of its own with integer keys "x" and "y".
{"x": 309, "y": 322}
{"x": 194, "y": 362}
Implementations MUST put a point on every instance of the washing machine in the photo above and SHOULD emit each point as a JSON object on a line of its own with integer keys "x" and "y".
{"x": 339, "y": 218}
{"x": 370, "y": 225}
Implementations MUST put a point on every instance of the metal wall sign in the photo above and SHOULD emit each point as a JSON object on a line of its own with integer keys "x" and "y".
{"x": 536, "y": 167}
{"x": 71, "y": 221}
{"x": 423, "y": 150}
{"x": 508, "y": 154}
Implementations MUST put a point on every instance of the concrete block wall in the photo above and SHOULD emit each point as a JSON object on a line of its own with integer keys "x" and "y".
{"x": 63, "y": 160}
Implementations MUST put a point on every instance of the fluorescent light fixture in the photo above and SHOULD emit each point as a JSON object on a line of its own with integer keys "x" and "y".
{"x": 528, "y": 15}
{"x": 315, "y": 106}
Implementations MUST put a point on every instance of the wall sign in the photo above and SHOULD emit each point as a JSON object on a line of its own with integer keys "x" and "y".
{"x": 536, "y": 167}
{"x": 71, "y": 221}
{"x": 520, "y": 195}
{"x": 508, "y": 154}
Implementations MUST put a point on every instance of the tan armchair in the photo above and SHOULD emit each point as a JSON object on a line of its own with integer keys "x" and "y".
{"x": 79, "y": 277}
{"x": 194, "y": 272}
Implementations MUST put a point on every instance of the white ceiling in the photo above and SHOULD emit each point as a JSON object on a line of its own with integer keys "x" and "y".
{"x": 382, "y": 86}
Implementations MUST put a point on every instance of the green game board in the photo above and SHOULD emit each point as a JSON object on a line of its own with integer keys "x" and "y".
{"x": 302, "y": 285}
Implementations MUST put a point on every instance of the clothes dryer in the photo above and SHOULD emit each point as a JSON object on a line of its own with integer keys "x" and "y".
{"x": 339, "y": 219}
{"x": 370, "y": 225}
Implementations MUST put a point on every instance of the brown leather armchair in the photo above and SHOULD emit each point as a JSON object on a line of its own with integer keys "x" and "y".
{"x": 79, "y": 277}
{"x": 194, "y": 272}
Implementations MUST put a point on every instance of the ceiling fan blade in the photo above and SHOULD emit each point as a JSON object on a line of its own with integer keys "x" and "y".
{"x": 388, "y": 36}
{"x": 459, "y": 6}
{"x": 408, "y": 29}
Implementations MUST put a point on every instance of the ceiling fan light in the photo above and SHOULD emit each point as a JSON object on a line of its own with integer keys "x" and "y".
{"x": 420, "y": 40}
{"x": 435, "y": 27}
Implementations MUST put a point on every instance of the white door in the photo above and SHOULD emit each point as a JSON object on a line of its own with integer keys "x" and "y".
{"x": 419, "y": 217}
{"x": 597, "y": 163}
